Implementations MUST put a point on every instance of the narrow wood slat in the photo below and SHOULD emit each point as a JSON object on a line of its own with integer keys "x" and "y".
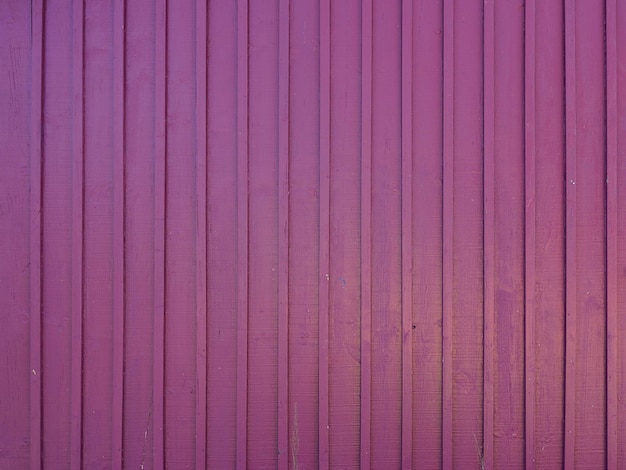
{"x": 549, "y": 334}
{"x": 324, "y": 236}
{"x": 35, "y": 281}
{"x": 160, "y": 226}
{"x": 201, "y": 232}
{"x": 242, "y": 232}
{"x": 529, "y": 232}
{"x": 612, "y": 209}
{"x": 489, "y": 240}
{"x": 570, "y": 238}
{"x": 448, "y": 228}
{"x": 283, "y": 236}
{"x": 407, "y": 233}
{"x": 119, "y": 250}
{"x": 366, "y": 236}
{"x": 77, "y": 235}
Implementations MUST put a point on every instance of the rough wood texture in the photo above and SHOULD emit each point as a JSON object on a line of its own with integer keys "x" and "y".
{"x": 301, "y": 234}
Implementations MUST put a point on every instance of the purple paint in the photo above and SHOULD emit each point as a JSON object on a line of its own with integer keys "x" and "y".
{"x": 312, "y": 234}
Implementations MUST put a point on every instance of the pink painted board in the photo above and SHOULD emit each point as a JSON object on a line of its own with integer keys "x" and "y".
{"x": 427, "y": 233}
{"x": 262, "y": 423}
{"x": 15, "y": 224}
{"x": 312, "y": 234}
{"x": 508, "y": 249}
{"x": 304, "y": 197}
{"x": 386, "y": 247}
{"x": 138, "y": 428}
{"x": 344, "y": 273}
{"x": 222, "y": 245}
{"x": 549, "y": 332}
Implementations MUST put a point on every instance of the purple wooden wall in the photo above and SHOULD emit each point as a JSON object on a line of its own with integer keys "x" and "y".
{"x": 292, "y": 234}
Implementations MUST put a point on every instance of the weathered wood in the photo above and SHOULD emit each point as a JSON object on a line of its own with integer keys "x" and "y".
{"x": 304, "y": 234}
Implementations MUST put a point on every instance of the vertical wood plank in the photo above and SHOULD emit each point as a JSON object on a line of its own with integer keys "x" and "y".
{"x": 263, "y": 232}
{"x": 467, "y": 214}
{"x": 56, "y": 234}
{"x": 201, "y": 233}
{"x": 221, "y": 231}
{"x": 570, "y": 237}
{"x": 387, "y": 332}
{"x": 242, "y": 232}
{"x": 140, "y": 145}
{"x": 619, "y": 229}
{"x": 366, "y": 235}
{"x": 448, "y": 228}
{"x": 16, "y": 80}
{"x": 99, "y": 252}
{"x": 324, "y": 237}
{"x": 36, "y": 176}
{"x": 304, "y": 142}
{"x": 77, "y": 233}
{"x": 407, "y": 233}
{"x": 119, "y": 210}
{"x": 160, "y": 227}
{"x": 612, "y": 254}
{"x": 344, "y": 272}
{"x": 427, "y": 232}
{"x": 507, "y": 352}
{"x": 283, "y": 234}
{"x": 530, "y": 253}
{"x": 181, "y": 233}
{"x": 489, "y": 241}
{"x": 590, "y": 186}
{"x": 549, "y": 334}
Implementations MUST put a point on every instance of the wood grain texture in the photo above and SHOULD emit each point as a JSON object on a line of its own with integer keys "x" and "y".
{"x": 119, "y": 220}
{"x": 467, "y": 237}
{"x": 56, "y": 231}
{"x": 530, "y": 230}
{"x": 141, "y": 237}
{"x": 201, "y": 234}
{"x": 20, "y": 369}
{"x": 571, "y": 304}
{"x": 427, "y": 64}
{"x": 222, "y": 217}
{"x": 365, "y": 423}
{"x": 35, "y": 246}
{"x": 283, "y": 234}
{"x": 618, "y": 233}
{"x": 242, "y": 232}
{"x": 406, "y": 249}
{"x": 180, "y": 236}
{"x": 590, "y": 241}
{"x": 612, "y": 252}
{"x": 263, "y": 233}
{"x": 549, "y": 333}
{"x": 312, "y": 234}
{"x": 489, "y": 235}
{"x": 324, "y": 234}
{"x": 77, "y": 239}
{"x": 160, "y": 227}
{"x": 305, "y": 315}
{"x": 387, "y": 325}
{"x": 447, "y": 445}
{"x": 508, "y": 192}
{"x": 344, "y": 235}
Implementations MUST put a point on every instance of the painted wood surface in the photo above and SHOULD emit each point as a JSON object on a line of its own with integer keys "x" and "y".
{"x": 313, "y": 234}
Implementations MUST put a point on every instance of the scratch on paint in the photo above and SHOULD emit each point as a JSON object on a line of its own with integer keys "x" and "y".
{"x": 295, "y": 438}
{"x": 145, "y": 436}
{"x": 479, "y": 450}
